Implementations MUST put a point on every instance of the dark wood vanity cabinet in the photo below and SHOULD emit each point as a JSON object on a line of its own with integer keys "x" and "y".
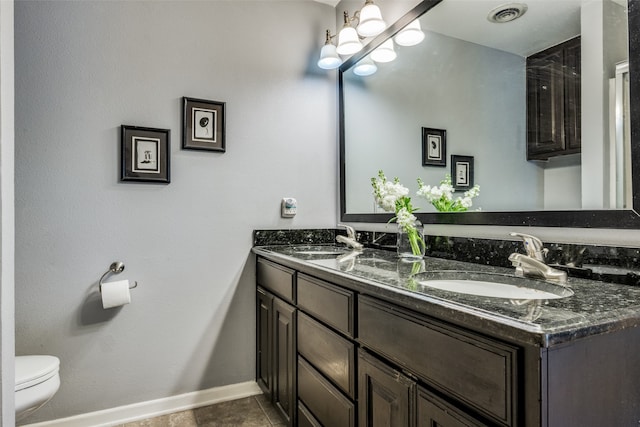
{"x": 276, "y": 337}
{"x": 553, "y": 101}
{"x": 328, "y": 355}
{"x": 312, "y": 361}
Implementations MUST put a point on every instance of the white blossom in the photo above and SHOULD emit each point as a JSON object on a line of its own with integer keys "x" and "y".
{"x": 466, "y": 202}
{"x": 405, "y": 218}
{"x": 387, "y": 193}
{"x": 441, "y": 197}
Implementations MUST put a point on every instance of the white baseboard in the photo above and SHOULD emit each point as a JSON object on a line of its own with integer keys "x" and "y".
{"x": 155, "y": 408}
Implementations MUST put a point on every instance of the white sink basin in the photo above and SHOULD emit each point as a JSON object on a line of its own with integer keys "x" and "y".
{"x": 493, "y": 285}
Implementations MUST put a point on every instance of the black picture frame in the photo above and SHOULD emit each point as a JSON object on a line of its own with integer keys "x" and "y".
{"x": 462, "y": 172}
{"x": 434, "y": 147}
{"x": 203, "y": 125}
{"x": 145, "y": 154}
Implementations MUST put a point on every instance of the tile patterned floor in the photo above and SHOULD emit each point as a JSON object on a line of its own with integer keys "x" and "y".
{"x": 254, "y": 411}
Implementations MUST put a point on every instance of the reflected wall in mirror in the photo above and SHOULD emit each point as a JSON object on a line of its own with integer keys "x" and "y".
{"x": 469, "y": 77}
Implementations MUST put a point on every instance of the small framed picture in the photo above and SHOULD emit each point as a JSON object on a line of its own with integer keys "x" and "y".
{"x": 203, "y": 124}
{"x": 434, "y": 147}
{"x": 462, "y": 172}
{"x": 144, "y": 154}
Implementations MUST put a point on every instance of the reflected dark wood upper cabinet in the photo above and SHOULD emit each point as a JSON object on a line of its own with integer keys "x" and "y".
{"x": 553, "y": 101}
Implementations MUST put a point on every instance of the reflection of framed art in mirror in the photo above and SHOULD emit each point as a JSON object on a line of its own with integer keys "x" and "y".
{"x": 462, "y": 172}
{"x": 434, "y": 147}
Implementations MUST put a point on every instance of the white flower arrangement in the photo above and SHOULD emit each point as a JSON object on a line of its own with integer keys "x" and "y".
{"x": 394, "y": 197}
{"x": 441, "y": 197}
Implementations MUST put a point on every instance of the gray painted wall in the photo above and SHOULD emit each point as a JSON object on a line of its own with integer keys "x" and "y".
{"x": 7, "y": 232}
{"x": 85, "y": 68}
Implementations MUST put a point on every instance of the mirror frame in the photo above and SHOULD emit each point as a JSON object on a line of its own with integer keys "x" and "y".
{"x": 611, "y": 218}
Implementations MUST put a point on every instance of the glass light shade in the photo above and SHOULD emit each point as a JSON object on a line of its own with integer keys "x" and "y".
{"x": 365, "y": 67}
{"x": 348, "y": 41}
{"x": 410, "y": 35}
{"x": 384, "y": 52}
{"x": 329, "y": 59}
{"x": 371, "y": 22}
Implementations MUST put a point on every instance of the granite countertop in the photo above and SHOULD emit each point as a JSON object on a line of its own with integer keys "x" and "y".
{"x": 594, "y": 308}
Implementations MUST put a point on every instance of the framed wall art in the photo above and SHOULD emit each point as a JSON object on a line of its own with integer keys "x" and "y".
{"x": 203, "y": 125}
{"x": 144, "y": 154}
{"x": 434, "y": 147}
{"x": 462, "y": 172}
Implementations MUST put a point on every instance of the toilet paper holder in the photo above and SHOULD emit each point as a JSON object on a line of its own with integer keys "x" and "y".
{"x": 116, "y": 267}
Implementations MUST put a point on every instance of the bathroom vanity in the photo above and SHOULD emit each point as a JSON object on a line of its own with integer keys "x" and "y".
{"x": 347, "y": 339}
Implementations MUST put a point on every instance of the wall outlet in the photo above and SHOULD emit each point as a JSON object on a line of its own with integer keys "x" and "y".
{"x": 289, "y": 207}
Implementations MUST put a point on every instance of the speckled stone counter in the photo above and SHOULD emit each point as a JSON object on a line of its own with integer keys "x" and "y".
{"x": 595, "y": 308}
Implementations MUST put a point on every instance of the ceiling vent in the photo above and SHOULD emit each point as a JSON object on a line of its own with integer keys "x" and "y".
{"x": 507, "y": 13}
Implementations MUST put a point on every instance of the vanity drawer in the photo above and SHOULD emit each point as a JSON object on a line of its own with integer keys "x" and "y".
{"x": 477, "y": 371}
{"x": 276, "y": 278}
{"x": 328, "y": 352}
{"x": 329, "y": 303}
{"x": 324, "y": 401}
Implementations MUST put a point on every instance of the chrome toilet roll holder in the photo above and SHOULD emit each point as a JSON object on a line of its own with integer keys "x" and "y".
{"x": 116, "y": 267}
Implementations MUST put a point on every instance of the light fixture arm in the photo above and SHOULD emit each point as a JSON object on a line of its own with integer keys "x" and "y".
{"x": 329, "y": 37}
{"x": 348, "y": 20}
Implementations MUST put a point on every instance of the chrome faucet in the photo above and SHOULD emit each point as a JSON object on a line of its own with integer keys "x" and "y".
{"x": 533, "y": 246}
{"x": 533, "y": 263}
{"x": 350, "y": 239}
{"x": 531, "y": 267}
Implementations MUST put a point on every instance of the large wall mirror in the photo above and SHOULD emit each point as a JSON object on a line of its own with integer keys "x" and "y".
{"x": 469, "y": 83}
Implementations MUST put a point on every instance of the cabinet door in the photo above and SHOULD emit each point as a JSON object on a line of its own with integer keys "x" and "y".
{"x": 572, "y": 94}
{"x": 545, "y": 104}
{"x": 386, "y": 397}
{"x": 264, "y": 339}
{"x": 553, "y": 101}
{"x": 284, "y": 359}
{"x": 434, "y": 412}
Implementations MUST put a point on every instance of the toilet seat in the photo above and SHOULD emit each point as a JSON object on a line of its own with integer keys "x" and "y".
{"x": 33, "y": 370}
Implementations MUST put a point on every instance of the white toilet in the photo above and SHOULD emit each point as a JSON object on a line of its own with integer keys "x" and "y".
{"x": 37, "y": 380}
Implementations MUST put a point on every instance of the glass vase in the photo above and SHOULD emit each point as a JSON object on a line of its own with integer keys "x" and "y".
{"x": 410, "y": 241}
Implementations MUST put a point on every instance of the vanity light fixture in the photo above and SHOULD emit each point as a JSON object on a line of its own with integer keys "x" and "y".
{"x": 410, "y": 35}
{"x": 370, "y": 22}
{"x": 329, "y": 59}
{"x": 348, "y": 39}
{"x": 365, "y": 67}
{"x": 385, "y": 52}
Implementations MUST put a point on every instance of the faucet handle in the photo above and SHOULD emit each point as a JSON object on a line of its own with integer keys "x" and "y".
{"x": 351, "y": 232}
{"x": 532, "y": 245}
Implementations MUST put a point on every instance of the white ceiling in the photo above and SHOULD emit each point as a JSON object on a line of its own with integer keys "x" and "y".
{"x": 545, "y": 23}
